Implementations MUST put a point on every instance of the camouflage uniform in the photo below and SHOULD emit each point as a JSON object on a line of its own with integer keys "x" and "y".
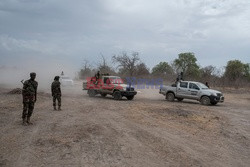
{"x": 56, "y": 92}
{"x": 29, "y": 98}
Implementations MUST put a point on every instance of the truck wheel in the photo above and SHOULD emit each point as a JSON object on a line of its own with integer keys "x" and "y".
{"x": 179, "y": 99}
{"x": 103, "y": 94}
{"x": 130, "y": 97}
{"x": 170, "y": 97}
{"x": 117, "y": 95}
{"x": 205, "y": 100}
{"x": 91, "y": 93}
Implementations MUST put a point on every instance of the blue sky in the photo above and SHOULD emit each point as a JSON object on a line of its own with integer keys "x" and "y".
{"x": 63, "y": 33}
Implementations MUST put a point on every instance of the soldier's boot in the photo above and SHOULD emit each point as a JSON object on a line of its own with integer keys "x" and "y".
{"x": 24, "y": 122}
{"x": 54, "y": 107}
{"x": 59, "y": 108}
{"x": 28, "y": 121}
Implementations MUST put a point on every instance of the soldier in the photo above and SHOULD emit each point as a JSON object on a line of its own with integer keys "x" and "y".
{"x": 98, "y": 75}
{"x": 207, "y": 84}
{"x": 179, "y": 77}
{"x": 56, "y": 92}
{"x": 29, "y": 93}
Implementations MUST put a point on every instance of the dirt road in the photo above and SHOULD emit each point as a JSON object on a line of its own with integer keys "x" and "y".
{"x": 147, "y": 131}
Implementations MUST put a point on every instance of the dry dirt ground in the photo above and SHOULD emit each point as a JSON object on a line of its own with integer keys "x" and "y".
{"x": 148, "y": 131}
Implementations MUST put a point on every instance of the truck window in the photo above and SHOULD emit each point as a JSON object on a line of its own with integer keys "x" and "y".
{"x": 193, "y": 86}
{"x": 183, "y": 84}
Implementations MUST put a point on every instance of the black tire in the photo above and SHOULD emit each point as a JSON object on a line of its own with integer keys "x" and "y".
{"x": 205, "y": 100}
{"x": 91, "y": 92}
{"x": 103, "y": 94}
{"x": 130, "y": 97}
{"x": 117, "y": 95}
{"x": 179, "y": 99}
{"x": 170, "y": 96}
{"x": 214, "y": 103}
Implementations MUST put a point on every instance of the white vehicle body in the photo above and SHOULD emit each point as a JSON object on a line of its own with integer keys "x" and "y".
{"x": 192, "y": 90}
{"x": 66, "y": 81}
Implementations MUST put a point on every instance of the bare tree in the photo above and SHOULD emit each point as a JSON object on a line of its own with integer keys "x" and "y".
{"x": 207, "y": 72}
{"x": 86, "y": 70}
{"x": 86, "y": 64}
{"x": 103, "y": 67}
{"x": 127, "y": 64}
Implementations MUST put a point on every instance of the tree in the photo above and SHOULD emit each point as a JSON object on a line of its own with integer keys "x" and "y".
{"x": 104, "y": 68}
{"x": 161, "y": 69}
{"x": 186, "y": 63}
{"x": 126, "y": 64}
{"x": 210, "y": 74}
{"x": 85, "y": 71}
{"x": 207, "y": 72}
{"x": 142, "y": 70}
{"x": 235, "y": 70}
{"x": 247, "y": 70}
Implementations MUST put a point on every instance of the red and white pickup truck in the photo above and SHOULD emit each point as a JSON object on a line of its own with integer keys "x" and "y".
{"x": 109, "y": 85}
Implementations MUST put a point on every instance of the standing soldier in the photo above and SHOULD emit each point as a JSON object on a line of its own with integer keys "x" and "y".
{"x": 56, "y": 92}
{"x": 29, "y": 93}
{"x": 207, "y": 85}
{"x": 179, "y": 77}
{"x": 98, "y": 75}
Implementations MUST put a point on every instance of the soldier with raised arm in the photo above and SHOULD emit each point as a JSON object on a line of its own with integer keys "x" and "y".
{"x": 29, "y": 93}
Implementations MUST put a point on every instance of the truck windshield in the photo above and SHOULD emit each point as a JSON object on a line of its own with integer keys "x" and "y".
{"x": 116, "y": 80}
{"x": 202, "y": 86}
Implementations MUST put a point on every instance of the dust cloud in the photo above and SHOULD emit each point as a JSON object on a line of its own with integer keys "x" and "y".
{"x": 11, "y": 76}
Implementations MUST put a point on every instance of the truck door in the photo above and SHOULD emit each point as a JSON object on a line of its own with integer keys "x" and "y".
{"x": 182, "y": 90}
{"x": 107, "y": 85}
{"x": 193, "y": 90}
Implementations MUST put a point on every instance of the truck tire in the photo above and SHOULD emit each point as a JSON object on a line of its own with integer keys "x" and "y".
{"x": 130, "y": 97}
{"x": 205, "y": 100}
{"x": 103, "y": 94}
{"x": 170, "y": 96}
{"x": 117, "y": 95}
{"x": 91, "y": 92}
{"x": 179, "y": 99}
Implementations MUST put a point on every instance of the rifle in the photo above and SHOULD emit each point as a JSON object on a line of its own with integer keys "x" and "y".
{"x": 22, "y": 89}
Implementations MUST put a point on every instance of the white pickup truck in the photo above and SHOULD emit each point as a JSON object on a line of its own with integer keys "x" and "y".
{"x": 192, "y": 90}
{"x": 66, "y": 81}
